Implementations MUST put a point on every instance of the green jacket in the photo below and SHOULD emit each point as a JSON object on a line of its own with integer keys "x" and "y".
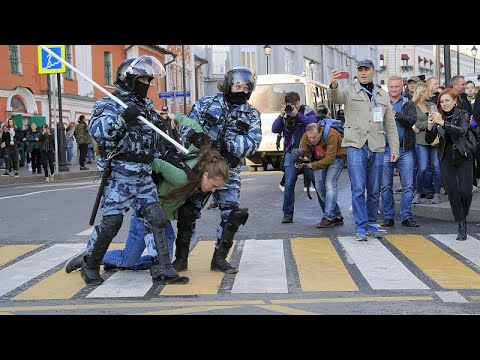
{"x": 81, "y": 133}
{"x": 174, "y": 177}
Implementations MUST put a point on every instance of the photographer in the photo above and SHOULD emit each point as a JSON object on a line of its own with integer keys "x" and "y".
{"x": 292, "y": 121}
{"x": 47, "y": 151}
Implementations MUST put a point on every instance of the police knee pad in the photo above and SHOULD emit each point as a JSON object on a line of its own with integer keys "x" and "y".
{"x": 238, "y": 216}
{"x": 112, "y": 224}
{"x": 154, "y": 215}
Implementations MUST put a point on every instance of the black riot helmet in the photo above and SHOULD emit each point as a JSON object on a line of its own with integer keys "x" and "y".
{"x": 133, "y": 68}
{"x": 322, "y": 110}
{"x": 239, "y": 74}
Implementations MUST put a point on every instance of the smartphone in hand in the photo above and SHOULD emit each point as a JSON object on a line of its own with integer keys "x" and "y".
{"x": 343, "y": 75}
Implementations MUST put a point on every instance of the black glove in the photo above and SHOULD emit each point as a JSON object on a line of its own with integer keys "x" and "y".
{"x": 130, "y": 114}
{"x": 220, "y": 145}
{"x": 198, "y": 139}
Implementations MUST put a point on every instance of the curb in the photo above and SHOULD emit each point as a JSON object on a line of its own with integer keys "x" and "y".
{"x": 40, "y": 178}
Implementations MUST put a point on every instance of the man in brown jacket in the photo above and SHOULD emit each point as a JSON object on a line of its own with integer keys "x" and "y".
{"x": 327, "y": 160}
{"x": 368, "y": 115}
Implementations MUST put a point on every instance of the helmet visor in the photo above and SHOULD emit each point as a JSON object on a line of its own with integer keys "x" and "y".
{"x": 243, "y": 77}
{"x": 146, "y": 65}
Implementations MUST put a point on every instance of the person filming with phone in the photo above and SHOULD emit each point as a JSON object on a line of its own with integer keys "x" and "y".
{"x": 292, "y": 121}
{"x": 368, "y": 115}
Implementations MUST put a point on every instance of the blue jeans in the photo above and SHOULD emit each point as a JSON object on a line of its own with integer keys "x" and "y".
{"x": 291, "y": 174}
{"x": 424, "y": 154}
{"x": 69, "y": 153}
{"x": 405, "y": 166}
{"x": 365, "y": 169}
{"x": 326, "y": 186}
{"x": 138, "y": 238}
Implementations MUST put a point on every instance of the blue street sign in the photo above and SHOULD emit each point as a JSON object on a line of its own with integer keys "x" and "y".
{"x": 180, "y": 93}
{"x": 165, "y": 95}
{"x": 47, "y": 64}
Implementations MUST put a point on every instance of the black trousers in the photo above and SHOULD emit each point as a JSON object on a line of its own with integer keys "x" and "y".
{"x": 457, "y": 175}
{"x": 83, "y": 153}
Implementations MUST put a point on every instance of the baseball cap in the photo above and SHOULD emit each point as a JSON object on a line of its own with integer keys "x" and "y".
{"x": 414, "y": 78}
{"x": 164, "y": 109}
{"x": 365, "y": 63}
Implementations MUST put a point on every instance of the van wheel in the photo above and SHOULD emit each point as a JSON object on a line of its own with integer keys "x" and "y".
{"x": 276, "y": 165}
{"x": 251, "y": 168}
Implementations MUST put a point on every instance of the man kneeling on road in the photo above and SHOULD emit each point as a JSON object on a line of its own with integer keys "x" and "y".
{"x": 327, "y": 160}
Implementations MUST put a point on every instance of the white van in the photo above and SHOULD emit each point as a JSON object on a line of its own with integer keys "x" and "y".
{"x": 267, "y": 98}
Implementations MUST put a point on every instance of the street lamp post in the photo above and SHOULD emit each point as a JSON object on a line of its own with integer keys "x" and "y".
{"x": 267, "y": 49}
{"x": 311, "y": 65}
{"x": 474, "y": 54}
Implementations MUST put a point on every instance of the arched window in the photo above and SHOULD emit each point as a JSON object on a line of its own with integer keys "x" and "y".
{"x": 18, "y": 105}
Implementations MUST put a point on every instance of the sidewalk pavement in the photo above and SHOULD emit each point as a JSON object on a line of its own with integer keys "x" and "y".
{"x": 440, "y": 211}
{"x": 26, "y": 176}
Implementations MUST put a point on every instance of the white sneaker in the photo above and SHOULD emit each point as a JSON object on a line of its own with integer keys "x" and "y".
{"x": 281, "y": 187}
{"x": 47, "y": 179}
{"x": 29, "y": 166}
{"x": 474, "y": 188}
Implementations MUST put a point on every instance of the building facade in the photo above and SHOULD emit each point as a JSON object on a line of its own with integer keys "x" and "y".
{"x": 24, "y": 92}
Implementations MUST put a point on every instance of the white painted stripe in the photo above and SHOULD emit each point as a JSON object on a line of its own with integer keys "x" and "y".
{"x": 25, "y": 270}
{"x": 381, "y": 269}
{"x": 262, "y": 268}
{"x": 46, "y": 191}
{"x": 124, "y": 284}
{"x": 451, "y": 296}
{"x": 86, "y": 232}
{"x": 248, "y": 179}
{"x": 469, "y": 249}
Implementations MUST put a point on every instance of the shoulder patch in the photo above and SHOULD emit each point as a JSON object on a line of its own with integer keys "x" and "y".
{"x": 98, "y": 110}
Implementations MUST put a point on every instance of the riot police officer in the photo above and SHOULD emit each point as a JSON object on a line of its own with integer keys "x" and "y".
{"x": 130, "y": 144}
{"x": 235, "y": 127}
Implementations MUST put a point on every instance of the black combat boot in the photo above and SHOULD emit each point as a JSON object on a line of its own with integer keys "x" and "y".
{"x": 182, "y": 244}
{"x": 75, "y": 263}
{"x": 219, "y": 262}
{"x": 462, "y": 230}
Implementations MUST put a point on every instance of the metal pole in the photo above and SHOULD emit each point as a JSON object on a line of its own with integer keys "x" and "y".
{"x": 184, "y": 81}
{"x": 267, "y": 63}
{"x": 61, "y": 153}
{"x": 54, "y": 120}
{"x": 448, "y": 65}
{"x": 49, "y": 97}
{"x": 458, "y": 59}
{"x": 114, "y": 98}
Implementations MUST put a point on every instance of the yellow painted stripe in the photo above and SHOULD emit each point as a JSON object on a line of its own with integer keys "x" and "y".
{"x": 353, "y": 299}
{"x": 475, "y": 297}
{"x": 203, "y": 281}
{"x": 10, "y": 252}
{"x": 319, "y": 266}
{"x": 286, "y": 310}
{"x": 440, "y": 266}
{"x": 189, "y": 310}
{"x": 59, "y": 285}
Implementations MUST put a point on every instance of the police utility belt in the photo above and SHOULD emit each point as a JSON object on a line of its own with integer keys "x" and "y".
{"x": 139, "y": 158}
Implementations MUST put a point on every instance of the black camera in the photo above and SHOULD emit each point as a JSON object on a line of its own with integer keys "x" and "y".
{"x": 299, "y": 157}
{"x": 288, "y": 109}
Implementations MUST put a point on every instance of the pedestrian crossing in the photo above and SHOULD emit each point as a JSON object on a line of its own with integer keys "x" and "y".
{"x": 411, "y": 262}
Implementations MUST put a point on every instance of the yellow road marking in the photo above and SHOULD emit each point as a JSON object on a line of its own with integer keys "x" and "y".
{"x": 203, "y": 281}
{"x": 319, "y": 266}
{"x": 10, "y": 252}
{"x": 475, "y": 297}
{"x": 286, "y": 310}
{"x": 440, "y": 266}
{"x": 353, "y": 299}
{"x": 188, "y": 310}
{"x": 59, "y": 285}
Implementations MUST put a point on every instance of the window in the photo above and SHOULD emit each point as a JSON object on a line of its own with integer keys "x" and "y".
{"x": 107, "y": 65}
{"x": 382, "y": 60}
{"x": 248, "y": 57}
{"x": 69, "y": 59}
{"x": 405, "y": 59}
{"x": 289, "y": 61}
{"x": 14, "y": 57}
{"x": 220, "y": 59}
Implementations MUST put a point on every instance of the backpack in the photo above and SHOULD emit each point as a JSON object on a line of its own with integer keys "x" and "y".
{"x": 327, "y": 123}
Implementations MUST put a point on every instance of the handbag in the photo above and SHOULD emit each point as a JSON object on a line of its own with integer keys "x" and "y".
{"x": 436, "y": 141}
{"x": 471, "y": 141}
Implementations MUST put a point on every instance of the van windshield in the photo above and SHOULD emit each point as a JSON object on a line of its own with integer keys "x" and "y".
{"x": 268, "y": 98}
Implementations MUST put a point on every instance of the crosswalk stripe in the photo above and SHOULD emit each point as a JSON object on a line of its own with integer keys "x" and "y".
{"x": 203, "y": 281}
{"x": 60, "y": 285}
{"x": 440, "y": 266}
{"x": 469, "y": 249}
{"x": 381, "y": 269}
{"x": 319, "y": 266}
{"x": 124, "y": 284}
{"x": 86, "y": 232}
{"x": 27, "y": 269}
{"x": 10, "y": 252}
{"x": 262, "y": 268}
